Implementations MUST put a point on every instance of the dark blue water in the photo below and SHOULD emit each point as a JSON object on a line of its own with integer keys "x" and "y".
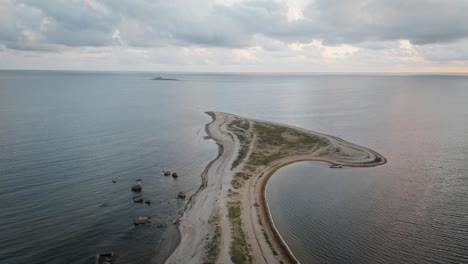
{"x": 64, "y": 136}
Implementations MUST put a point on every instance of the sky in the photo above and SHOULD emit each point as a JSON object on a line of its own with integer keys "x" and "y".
{"x": 235, "y": 35}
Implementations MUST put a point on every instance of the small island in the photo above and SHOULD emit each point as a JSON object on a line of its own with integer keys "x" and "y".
{"x": 228, "y": 220}
{"x": 164, "y": 79}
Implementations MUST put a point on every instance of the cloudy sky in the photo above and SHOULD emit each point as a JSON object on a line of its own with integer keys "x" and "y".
{"x": 235, "y": 35}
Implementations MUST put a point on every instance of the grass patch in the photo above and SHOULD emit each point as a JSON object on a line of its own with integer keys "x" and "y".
{"x": 239, "y": 249}
{"x": 272, "y": 135}
{"x": 242, "y": 176}
{"x": 234, "y": 212}
{"x": 244, "y": 149}
{"x": 212, "y": 248}
{"x": 240, "y": 129}
{"x": 244, "y": 124}
{"x": 274, "y": 142}
{"x": 238, "y": 179}
{"x": 259, "y": 158}
{"x": 269, "y": 243}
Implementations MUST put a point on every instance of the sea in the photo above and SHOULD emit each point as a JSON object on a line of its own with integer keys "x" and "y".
{"x": 72, "y": 143}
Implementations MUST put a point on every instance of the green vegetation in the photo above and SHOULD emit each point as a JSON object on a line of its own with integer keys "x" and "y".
{"x": 241, "y": 156}
{"x": 275, "y": 142}
{"x": 269, "y": 243}
{"x": 239, "y": 249}
{"x": 259, "y": 158}
{"x": 276, "y": 135}
{"x": 241, "y": 129}
{"x": 244, "y": 124}
{"x": 243, "y": 175}
{"x": 239, "y": 178}
{"x": 212, "y": 248}
{"x": 272, "y": 142}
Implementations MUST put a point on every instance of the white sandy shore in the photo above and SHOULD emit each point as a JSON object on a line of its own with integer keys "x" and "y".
{"x": 211, "y": 200}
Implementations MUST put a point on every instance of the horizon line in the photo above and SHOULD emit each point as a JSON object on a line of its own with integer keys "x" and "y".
{"x": 252, "y": 72}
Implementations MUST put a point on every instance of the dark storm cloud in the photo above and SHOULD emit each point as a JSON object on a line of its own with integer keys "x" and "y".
{"x": 182, "y": 23}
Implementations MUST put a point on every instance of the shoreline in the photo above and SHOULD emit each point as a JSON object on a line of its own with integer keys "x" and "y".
{"x": 194, "y": 224}
{"x": 222, "y": 188}
{"x": 262, "y": 182}
{"x": 263, "y": 178}
{"x": 193, "y": 196}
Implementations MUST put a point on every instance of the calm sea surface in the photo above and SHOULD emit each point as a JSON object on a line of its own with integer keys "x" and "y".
{"x": 64, "y": 136}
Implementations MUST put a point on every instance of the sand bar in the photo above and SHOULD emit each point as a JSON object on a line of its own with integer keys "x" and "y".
{"x": 227, "y": 220}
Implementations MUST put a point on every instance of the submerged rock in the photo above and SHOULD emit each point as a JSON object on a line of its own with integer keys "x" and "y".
{"x": 182, "y": 195}
{"x": 105, "y": 255}
{"x": 141, "y": 220}
{"x": 147, "y": 201}
{"x": 138, "y": 198}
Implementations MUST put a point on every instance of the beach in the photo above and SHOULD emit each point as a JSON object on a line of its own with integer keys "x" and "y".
{"x": 230, "y": 207}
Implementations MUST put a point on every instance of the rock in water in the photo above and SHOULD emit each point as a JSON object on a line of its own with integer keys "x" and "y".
{"x": 107, "y": 256}
{"x": 138, "y": 198}
{"x": 182, "y": 195}
{"x": 136, "y": 188}
{"x": 141, "y": 220}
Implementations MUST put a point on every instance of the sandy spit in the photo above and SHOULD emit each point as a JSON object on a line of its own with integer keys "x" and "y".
{"x": 194, "y": 224}
{"x": 212, "y": 197}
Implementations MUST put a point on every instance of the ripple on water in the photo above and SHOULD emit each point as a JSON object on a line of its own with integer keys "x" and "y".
{"x": 361, "y": 215}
